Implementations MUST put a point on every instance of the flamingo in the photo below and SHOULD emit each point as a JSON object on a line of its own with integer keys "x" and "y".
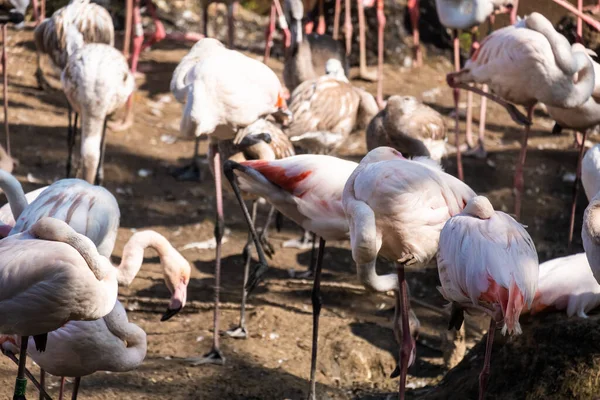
{"x": 396, "y": 208}
{"x": 590, "y": 235}
{"x": 590, "y": 172}
{"x": 525, "y": 64}
{"x": 582, "y": 119}
{"x": 308, "y": 190}
{"x": 308, "y": 54}
{"x": 567, "y": 283}
{"x": 263, "y": 140}
{"x": 97, "y": 82}
{"x": 80, "y": 348}
{"x": 326, "y": 110}
{"x": 487, "y": 262}
{"x": 224, "y": 91}
{"x": 49, "y": 275}
{"x": 409, "y": 126}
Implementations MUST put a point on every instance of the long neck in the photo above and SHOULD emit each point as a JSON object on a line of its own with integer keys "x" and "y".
{"x": 586, "y": 80}
{"x": 59, "y": 231}
{"x": 559, "y": 44}
{"x": 14, "y": 192}
{"x": 134, "y": 336}
{"x": 91, "y": 132}
{"x": 367, "y": 275}
{"x": 133, "y": 254}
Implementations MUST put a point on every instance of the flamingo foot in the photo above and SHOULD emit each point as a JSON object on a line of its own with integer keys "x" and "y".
{"x": 478, "y": 152}
{"x": 213, "y": 357}
{"x": 368, "y": 75}
{"x": 238, "y": 332}
{"x": 321, "y": 28}
{"x": 121, "y": 126}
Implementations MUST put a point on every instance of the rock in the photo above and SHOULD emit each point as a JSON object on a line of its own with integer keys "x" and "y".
{"x": 555, "y": 358}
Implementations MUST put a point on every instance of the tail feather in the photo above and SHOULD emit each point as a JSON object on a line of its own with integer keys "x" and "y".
{"x": 514, "y": 307}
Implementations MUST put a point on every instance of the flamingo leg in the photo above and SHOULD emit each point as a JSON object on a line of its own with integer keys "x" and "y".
{"x": 43, "y": 394}
{"x": 43, "y": 10}
{"x": 514, "y": 11}
{"x": 588, "y": 20}
{"x": 485, "y": 372}
{"x": 100, "y": 170}
{"x": 42, "y": 383}
{"x": 580, "y": 21}
{"x": 469, "y": 118}
{"x": 127, "y": 35}
{"x": 62, "y": 388}
{"x": 336, "y": 19}
{"x": 36, "y": 11}
{"x": 519, "y": 181}
{"x": 21, "y": 381}
{"x": 287, "y": 35}
{"x": 5, "y": 88}
{"x": 240, "y": 332}
{"x": 363, "y": 71}
{"x": 231, "y": 12}
{"x": 456, "y": 95}
{"x": 348, "y": 28}
{"x": 408, "y": 345}
{"x": 380, "y": 44}
{"x": 316, "y": 304}
{"x": 159, "y": 29}
{"x": 576, "y": 190}
{"x": 321, "y": 27}
{"x": 413, "y": 10}
{"x": 480, "y": 150}
{"x": 264, "y": 234}
{"x": 262, "y": 266}
{"x": 269, "y": 34}
{"x": 70, "y": 140}
{"x": 76, "y": 388}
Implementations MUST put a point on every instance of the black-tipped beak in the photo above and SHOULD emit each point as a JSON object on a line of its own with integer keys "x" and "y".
{"x": 169, "y": 314}
{"x": 395, "y": 373}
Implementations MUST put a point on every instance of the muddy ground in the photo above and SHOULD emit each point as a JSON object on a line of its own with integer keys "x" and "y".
{"x": 357, "y": 347}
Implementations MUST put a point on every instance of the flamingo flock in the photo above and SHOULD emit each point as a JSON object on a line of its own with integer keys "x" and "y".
{"x": 278, "y": 141}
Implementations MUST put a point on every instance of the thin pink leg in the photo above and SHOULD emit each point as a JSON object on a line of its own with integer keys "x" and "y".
{"x": 482, "y": 114}
{"x": 5, "y": 88}
{"x": 484, "y": 376}
{"x": 588, "y": 20}
{"x": 61, "y": 390}
{"x": 43, "y": 11}
{"x": 408, "y": 344}
{"x": 321, "y": 28}
{"x": 456, "y": 93}
{"x": 519, "y": 181}
{"x": 36, "y": 11}
{"x": 576, "y": 190}
{"x": 269, "y": 34}
{"x": 287, "y": 36}
{"x": 231, "y": 12}
{"x": 579, "y": 21}
{"x": 362, "y": 42}
{"x": 128, "y": 19}
{"x": 380, "y": 44}
{"x": 336, "y": 19}
{"x": 159, "y": 29}
{"x": 413, "y": 10}
{"x": 348, "y": 28}
{"x": 514, "y": 12}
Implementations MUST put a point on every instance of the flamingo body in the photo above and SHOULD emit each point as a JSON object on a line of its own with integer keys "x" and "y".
{"x": 590, "y": 172}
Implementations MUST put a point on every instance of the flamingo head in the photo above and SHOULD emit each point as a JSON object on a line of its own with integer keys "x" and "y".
{"x": 177, "y": 272}
{"x": 382, "y": 153}
{"x": 479, "y": 207}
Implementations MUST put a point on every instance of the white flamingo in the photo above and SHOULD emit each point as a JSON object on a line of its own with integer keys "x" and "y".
{"x": 526, "y": 64}
{"x": 224, "y": 91}
{"x": 49, "y": 275}
{"x": 487, "y": 262}
{"x": 396, "y": 208}
{"x": 590, "y": 172}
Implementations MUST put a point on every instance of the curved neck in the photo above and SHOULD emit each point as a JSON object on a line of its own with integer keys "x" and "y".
{"x": 367, "y": 275}
{"x": 134, "y": 337}
{"x": 586, "y": 80}
{"x": 133, "y": 254}
{"x": 14, "y": 192}
{"x": 561, "y": 48}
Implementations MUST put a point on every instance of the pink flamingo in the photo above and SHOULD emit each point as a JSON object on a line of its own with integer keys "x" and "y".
{"x": 396, "y": 208}
{"x": 567, "y": 283}
{"x": 49, "y": 275}
{"x": 224, "y": 91}
{"x": 525, "y": 64}
{"x": 308, "y": 190}
{"x": 487, "y": 262}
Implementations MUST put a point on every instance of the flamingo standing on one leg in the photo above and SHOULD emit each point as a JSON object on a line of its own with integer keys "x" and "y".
{"x": 396, "y": 208}
{"x": 50, "y": 275}
{"x": 487, "y": 261}
{"x": 224, "y": 91}
{"x": 308, "y": 190}
{"x": 582, "y": 119}
{"x": 524, "y": 65}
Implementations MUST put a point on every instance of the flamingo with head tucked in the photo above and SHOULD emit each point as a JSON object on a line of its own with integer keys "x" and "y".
{"x": 525, "y": 64}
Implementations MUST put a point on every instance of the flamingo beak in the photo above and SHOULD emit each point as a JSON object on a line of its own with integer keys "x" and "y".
{"x": 177, "y": 302}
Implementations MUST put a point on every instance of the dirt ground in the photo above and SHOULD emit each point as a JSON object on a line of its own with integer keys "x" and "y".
{"x": 357, "y": 346}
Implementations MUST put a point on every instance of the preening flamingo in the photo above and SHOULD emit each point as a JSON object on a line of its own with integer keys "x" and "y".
{"x": 326, "y": 110}
{"x": 262, "y": 140}
{"x": 487, "y": 262}
{"x": 581, "y": 119}
{"x": 308, "y": 190}
{"x": 396, "y": 208}
{"x": 224, "y": 91}
{"x": 50, "y": 275}
{"x": 409, "y": 126}
{"x": 567, "y": 283}
{"x": 524, "y": 64}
